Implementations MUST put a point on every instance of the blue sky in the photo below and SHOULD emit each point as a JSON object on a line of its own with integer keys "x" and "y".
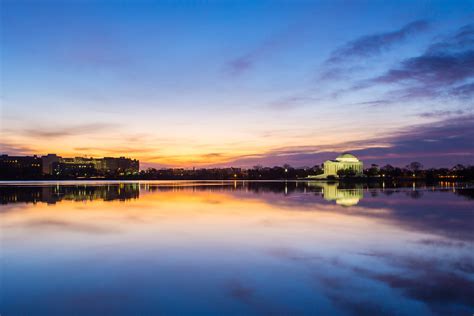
{"x": 198, "y": 83}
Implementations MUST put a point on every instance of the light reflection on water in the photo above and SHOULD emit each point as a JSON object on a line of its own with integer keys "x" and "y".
{"x": 236, "y": 248}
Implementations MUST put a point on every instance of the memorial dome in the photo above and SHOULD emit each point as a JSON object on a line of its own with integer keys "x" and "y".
{"x": 346, "y": 157}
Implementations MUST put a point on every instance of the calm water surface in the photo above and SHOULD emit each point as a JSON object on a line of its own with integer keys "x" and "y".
{"x": 235, "y": 248}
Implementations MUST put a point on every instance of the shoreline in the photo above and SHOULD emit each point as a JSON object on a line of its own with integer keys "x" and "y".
{"x": 346, "y": 180}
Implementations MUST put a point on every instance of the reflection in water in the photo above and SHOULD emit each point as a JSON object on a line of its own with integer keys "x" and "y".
{"x": 55, "y": 193}
{"x": 236, "y": 248}
{"x": 346, "y": 194}
{"x": 345, "y": 197}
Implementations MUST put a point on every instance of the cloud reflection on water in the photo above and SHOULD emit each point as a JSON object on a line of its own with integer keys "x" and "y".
{"x": 249, "y": 248}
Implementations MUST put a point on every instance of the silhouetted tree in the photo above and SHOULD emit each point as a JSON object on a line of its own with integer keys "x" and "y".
{"x": 373, "y": 171}
{"x": 414, "y": 166}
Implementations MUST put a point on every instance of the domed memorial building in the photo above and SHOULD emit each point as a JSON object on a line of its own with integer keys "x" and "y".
{"x": 345, "y": 161}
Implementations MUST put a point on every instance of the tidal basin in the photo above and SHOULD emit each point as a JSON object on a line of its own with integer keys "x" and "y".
{"x": 289, "y": 248}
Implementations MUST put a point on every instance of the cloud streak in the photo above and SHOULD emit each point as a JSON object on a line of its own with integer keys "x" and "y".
{"x": 12, "y": 149}
{"x": 273, "y": 44}
{"x": 441, "y": 114}
{"x": 374, "y": 44}
{"x": 247, "y": 61}
{"x": 445, "y": 69}
{"x": 434, "y": 143}
{"x": 57, "y": 132}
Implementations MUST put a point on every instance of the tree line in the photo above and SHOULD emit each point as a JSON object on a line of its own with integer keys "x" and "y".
{"x": 413, "y": 170}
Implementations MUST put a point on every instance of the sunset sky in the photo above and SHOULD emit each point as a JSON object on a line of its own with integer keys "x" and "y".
{"x": 239, "y": 83}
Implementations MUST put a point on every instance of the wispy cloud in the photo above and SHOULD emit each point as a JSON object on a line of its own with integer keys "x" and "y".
{"x": 247, "y": 61}
{"x": 375, "y": 103}
{"x": 270, "y": 46}
{"x": 445, "y": 68}
{"x": 55, "y": 224}
{"x": 117, "y": 150}
{"x": 444, "y": 71}
{"x": 292, "y": 102}
{"x": 345, "y": 62}
{"x": 370, "y": 45}
{"x": 12, "y": 149}
{"x": 454, "y": 286}
{"x": 440, "y": 114}
{"x": 432, "y": 144}
{"x": 465, "y": 91}
{"x": 432, "y": 70}
{"x": 66, "y": 131}
{"x": 97, "y": 49}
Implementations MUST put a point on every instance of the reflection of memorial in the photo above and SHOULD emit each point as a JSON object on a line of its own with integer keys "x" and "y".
{"x": 342, "y": 196}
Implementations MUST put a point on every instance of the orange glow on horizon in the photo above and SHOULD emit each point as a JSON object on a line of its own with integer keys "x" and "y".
{"x": 185, "y": 154}
{"x": 207, "y": 215}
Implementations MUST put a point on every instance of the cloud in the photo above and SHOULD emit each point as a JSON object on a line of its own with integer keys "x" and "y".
{"x": 242, "y": 63}
{"x": 351, "y": 304}
{"x": 375, "y": 103}
{"x": 426, "y": 214}
{"x": 247, "y": 61}
{"x": 442, "y": 290}
{"x": 432, "y": 70}
{"x": 465, "y": 91}
{"x": 345, "y": 62}
{"x": 213, "y": 155}
{"x": 440, "y": 114}
{"x": 292, "y": 102}
{"x": 268, "y": 47}
{"x": 462, "y": 38}
{"x": 454, "y": 134}
{"x": 54, "y": 224}
{"x": 374, "y": 44}
{"x": 442, "y": 243}
{"x": 240, "y": 292}
{"x": 444, "y": 72}
{"x": 445, "y": 69}
{"x": 117, "y": 150}
{"x": 99, "y": 49}
{"x": 56, "y": 132}
{"x": 11, "y": 149}
{"x": 442, "y": 285}
{"x": 441, "y": 143}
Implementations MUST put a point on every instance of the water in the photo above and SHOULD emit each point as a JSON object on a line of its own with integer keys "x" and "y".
{"x": 235, "y": 248}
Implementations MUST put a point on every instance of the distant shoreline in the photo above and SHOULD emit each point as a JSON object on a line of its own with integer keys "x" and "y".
{"x": 341, "y": 180}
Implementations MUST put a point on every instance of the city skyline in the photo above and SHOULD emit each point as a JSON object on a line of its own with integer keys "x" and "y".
{"x": 214, "y": 84}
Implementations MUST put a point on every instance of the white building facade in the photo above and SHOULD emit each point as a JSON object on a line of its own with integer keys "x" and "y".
{"x": 342, "y": 162}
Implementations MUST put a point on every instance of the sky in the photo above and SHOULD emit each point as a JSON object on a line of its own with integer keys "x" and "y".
{"x": 239, "y": 83}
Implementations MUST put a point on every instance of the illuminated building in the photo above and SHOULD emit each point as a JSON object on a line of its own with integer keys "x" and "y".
{"x": 12, "y": 167}
{"x": 345, "y": 161}
{"x": 80, "y": 166}
{"x": 20, "y": 166}
{"x": 121, "y": 165}
{"x": 75, "y": 167}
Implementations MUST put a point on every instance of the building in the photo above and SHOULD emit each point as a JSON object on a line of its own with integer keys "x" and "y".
{"x": 346, "y": 162}
{"x": 48, "y": 162}
{"x": 12, "y": 167}
{"x": 120, "y": 165}
{"x": 84, "y": 167}
{"x": 107, "y": 166}
{"x": 75, "y": 167}
{"x": 52, "y": 165}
